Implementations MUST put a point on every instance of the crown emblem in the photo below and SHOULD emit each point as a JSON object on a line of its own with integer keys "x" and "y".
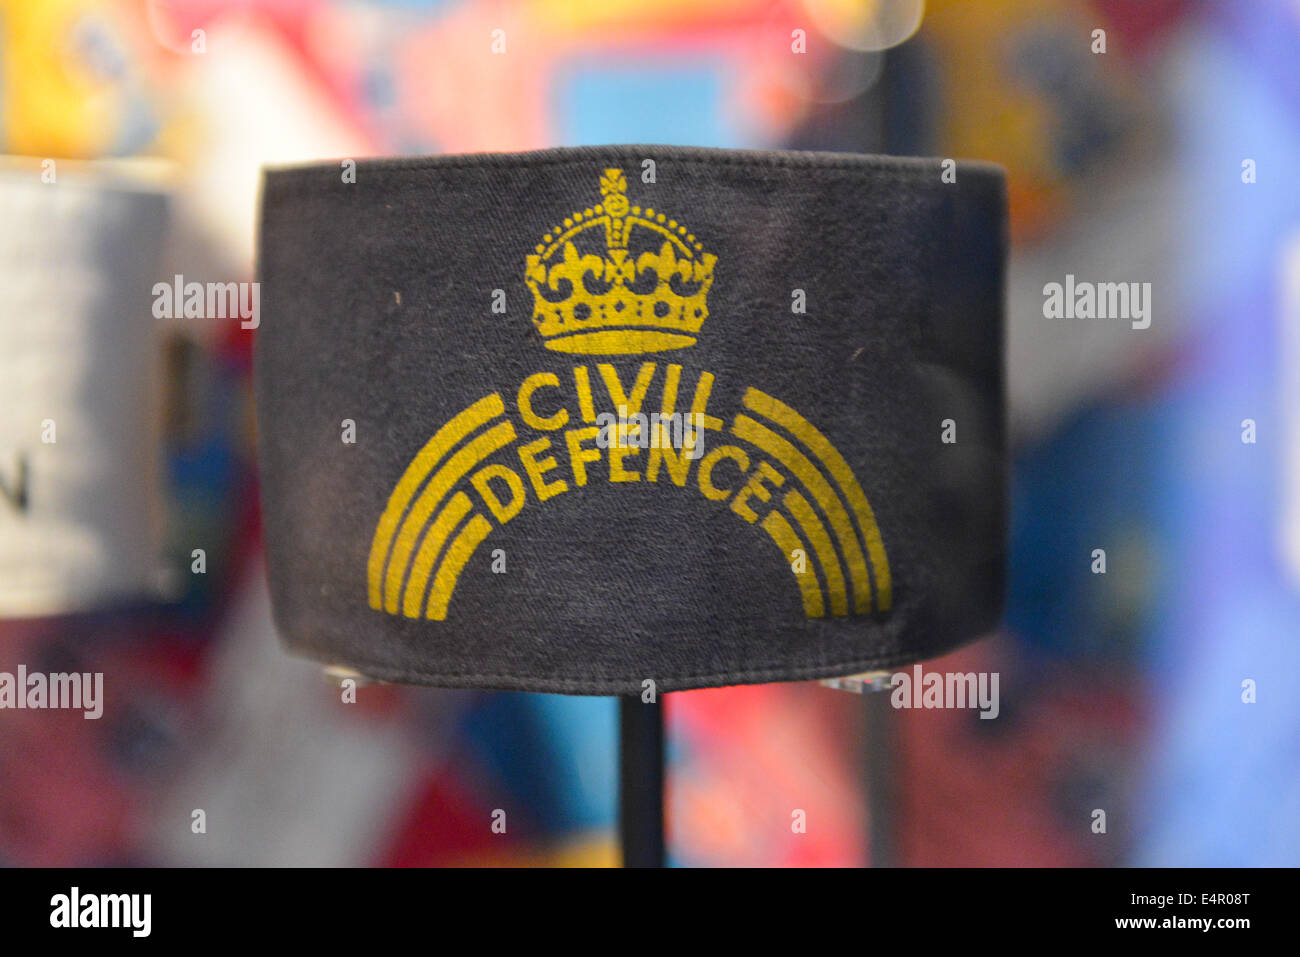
{"x": 616, "y": 279}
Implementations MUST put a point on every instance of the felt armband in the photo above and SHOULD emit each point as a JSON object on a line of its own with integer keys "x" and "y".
{"x": 577, "y": 419}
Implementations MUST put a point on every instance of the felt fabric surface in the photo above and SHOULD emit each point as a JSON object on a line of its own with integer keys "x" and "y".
{"x": 440, "y": 338}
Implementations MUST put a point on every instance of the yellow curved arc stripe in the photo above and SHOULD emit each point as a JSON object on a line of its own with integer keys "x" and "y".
{"x": 459, "y": 552}
{"x": 418, "y": 583}
{"x": 797, "y": 463}
{"x": 488, "y": 407}
{"x": 774, "y": 524}
{"x": 501, "y": 434}
{"x": 820, "y": 446}
{"x": 815, "y": 532}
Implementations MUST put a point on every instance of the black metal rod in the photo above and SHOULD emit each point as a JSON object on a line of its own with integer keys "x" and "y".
{"x": 641, "y": 781}
{"x": 881, "y": 760}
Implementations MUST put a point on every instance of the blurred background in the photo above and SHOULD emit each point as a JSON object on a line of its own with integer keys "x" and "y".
{"x": 134, "y": 131}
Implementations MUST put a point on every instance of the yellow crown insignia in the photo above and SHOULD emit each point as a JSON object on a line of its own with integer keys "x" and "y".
{"x": 601, "y": 288}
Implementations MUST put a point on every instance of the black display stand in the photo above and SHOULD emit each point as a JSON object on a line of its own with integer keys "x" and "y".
{"x": 641, "y": 781}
